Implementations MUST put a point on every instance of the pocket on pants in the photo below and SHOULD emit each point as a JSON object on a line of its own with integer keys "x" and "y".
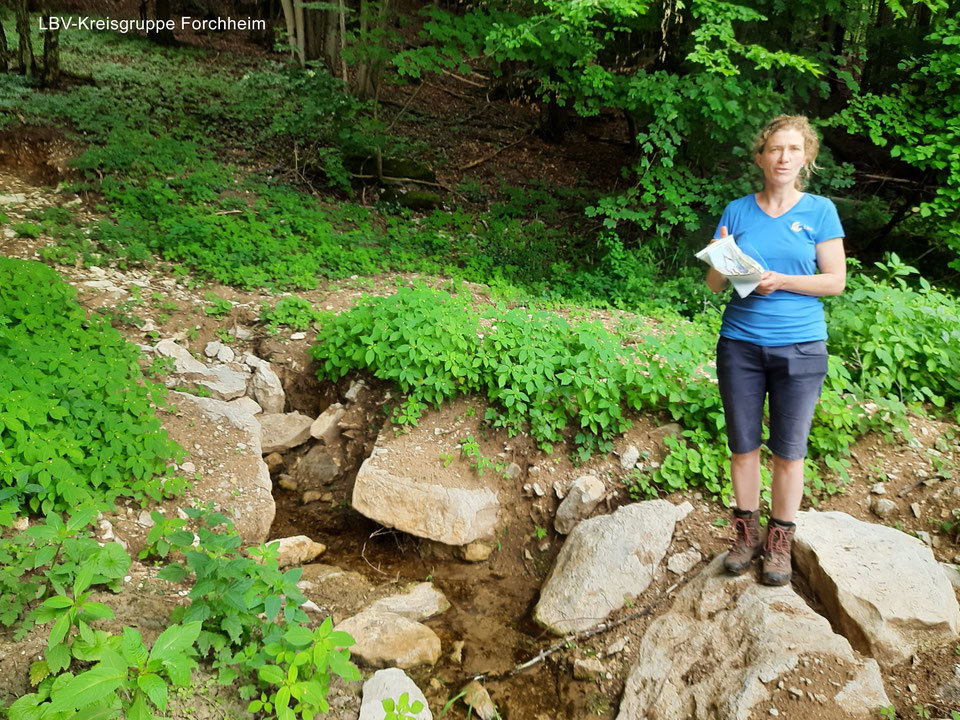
{"x": 815, "y": 347}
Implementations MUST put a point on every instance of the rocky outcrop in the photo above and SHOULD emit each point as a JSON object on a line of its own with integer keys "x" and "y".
{"x": 882, "y": 588}
{"x": 730, "y": 649}
{"x": 266, "y": 388}
{"x": 605, "y": 561}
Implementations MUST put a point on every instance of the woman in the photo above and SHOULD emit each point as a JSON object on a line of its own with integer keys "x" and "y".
{"x": 773, "y": 341}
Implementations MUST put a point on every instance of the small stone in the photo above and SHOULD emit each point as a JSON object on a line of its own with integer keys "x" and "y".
{"x": 774, "y": 711}
{"x": 884, "y": 507}
{"x": 477, "y": 699}
{"x": 327, "y": 497}
{"x": 924, "y": 537}
{"x": 476, "y": 552}
{"x": 247, "y": 405}
{"x": 311, "y": 496}
{"x": 212, "y": 348}
{"x": 513, "y": 471}
{"x": 912, "y": 687}
{"x": 354, "y": 392}
{"x": 629, "y": 457}
{"x": 298, "y": 336}
{"x": 878, "y": 489}
{"x": 326, "y": 427}
{"x": 683, "y": 510}
{"x": 21, "y": 524}
{"x": 144, "y": 519}
{"x": 616, "y": 646}
{"x": 297, "y": 550}
{"x": 796, "y": 692}
{"x": 682, "y": 563}
{"x": 915, "y": 509}
{"x": 287, "y": 482}
{"x": 588, "y": 668}
{"x": 456, "y": 654}
{"x": 274, "y": 462}
{"x": 226, "y": 355}
{"x": 537, "y": 490}
{"x": 558, "y": 490}
{"x": 188, "y": 467}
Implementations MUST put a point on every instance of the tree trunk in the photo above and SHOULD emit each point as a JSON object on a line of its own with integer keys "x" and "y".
{"x": 290, "y": 19}
{"x": 331, "y": 41}
{"x": 4, "y": 51}
{"x": 51, "y": 53}
{"x": 26, "y": 62}
{"x": 162, "y": 37}
{"x": 301, "y": 32}
{"x": 368, "y": 73}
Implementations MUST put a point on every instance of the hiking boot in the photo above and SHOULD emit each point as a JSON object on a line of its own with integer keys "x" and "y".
{"x": 776, "y": 553}
{"x": 746, "y": 545}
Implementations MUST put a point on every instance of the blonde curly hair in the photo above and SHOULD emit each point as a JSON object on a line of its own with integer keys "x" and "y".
{"x": 811, "y": 143}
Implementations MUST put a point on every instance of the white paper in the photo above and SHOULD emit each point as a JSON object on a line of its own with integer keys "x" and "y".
{"x": 740, "y": 269}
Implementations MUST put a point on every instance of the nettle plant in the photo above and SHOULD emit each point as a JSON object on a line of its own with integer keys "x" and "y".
{"x": 78, "y": 422}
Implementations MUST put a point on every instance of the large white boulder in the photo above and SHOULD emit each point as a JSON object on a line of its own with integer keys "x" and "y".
{"x": 282, "y": 431}
{"x": 731, "y": 649}
{"x": 432, "y": 502}
{"x": 605, "y": 561}
{"x": 882, "y": 588}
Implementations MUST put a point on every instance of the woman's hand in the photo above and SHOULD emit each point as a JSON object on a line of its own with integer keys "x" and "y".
{"x": 771, "y": 282}
{"x": 715, "y": 281}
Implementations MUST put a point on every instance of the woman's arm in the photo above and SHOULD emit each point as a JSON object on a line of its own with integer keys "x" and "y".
{"x": 715, "y": 281}
{"x": 829, "y": 281}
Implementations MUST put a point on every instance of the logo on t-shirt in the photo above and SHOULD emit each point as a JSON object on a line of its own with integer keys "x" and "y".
{"x": 797, "y": 227}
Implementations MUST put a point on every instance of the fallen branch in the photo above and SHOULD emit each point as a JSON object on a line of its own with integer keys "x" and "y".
{"x": 493, "y": 154}
{"x": 581, "y": 635}
{"x": 462, "y": 79}
{"x": 448, "y": 90}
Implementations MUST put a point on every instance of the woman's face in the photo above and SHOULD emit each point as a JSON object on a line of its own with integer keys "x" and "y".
{"x": 782, "y": 158}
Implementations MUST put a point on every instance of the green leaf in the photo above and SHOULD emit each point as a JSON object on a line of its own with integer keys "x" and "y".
{"x": 138, "y": 709}
{"x": 271, "y": 674}
{"x": 155, "y": 688}
{"x": 173, "y": 573}
{"x": 87, "y": 688}
{"x": 173, "y": 642}
{"x": 298, "y": 636}
{"x": 134, "y": 651}
{"x": 38, "y": 671}
{"x": 113, "y": 561}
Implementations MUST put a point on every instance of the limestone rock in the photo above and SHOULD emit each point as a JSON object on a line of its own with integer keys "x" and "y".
{"x": 184, "y": 362}
{"x": 952, "y": 573}
{"x": 282, "y": 431}
{"x": 437, "y": 506}
{"x": 317, "y": 468}
{"x": 475, "y": 552}
{"x": 883, "y": 507}
{"x": 223, "y": 381}
{"x": 387, "y": 639}
{"x": 326, "y": 427}
{"x": 724, "y": 644}
{"x": 298, "y": 549}
{"x": 247, "y": 405}
{"x": 226, "y": 355}
{"x": 588, "y": 668}
{"x": 418, "y": 603}
{"x": 881, "y": 588}
{"x": 390, "y": 683}
{"x": 212, "y": 348}
{"x": 683, "y": 510}
{"x": 477, "y": 700}
{"x": 604, "y": 561}
{"x": 267, "y": 389}
{"x": 582, "y": 497}
{"x": 250, "y": 492}
{"x": 682, "y": 563}
{"x": 629, "y": 457}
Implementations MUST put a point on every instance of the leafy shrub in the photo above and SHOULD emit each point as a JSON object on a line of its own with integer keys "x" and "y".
{"x": 77, "y": 425}
{"x": 897, "y": 339}
{"x": 292, "y": 312}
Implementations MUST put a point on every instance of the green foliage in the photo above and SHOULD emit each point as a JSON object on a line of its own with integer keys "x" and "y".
{"x": 917, "y": 119}
{"x": 561, "y": 381}
{"x": 128, "y": 680}
{"x": 219, "y": 306}
{"x": 78, "y": 423}
{"x": 251, "y": 617}
{"x": 898, "y": 339}
{"x": 401, "y": 709}
{"x": 45, "y": 561}
{"x": 292, "y": 312}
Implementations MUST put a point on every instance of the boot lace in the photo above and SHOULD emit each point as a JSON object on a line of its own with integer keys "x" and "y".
{"x": 778, "y": 541}
{"x": 744, "y": 536}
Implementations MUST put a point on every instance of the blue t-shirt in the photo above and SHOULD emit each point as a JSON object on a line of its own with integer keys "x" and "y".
{"x": 787, "y": 245}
